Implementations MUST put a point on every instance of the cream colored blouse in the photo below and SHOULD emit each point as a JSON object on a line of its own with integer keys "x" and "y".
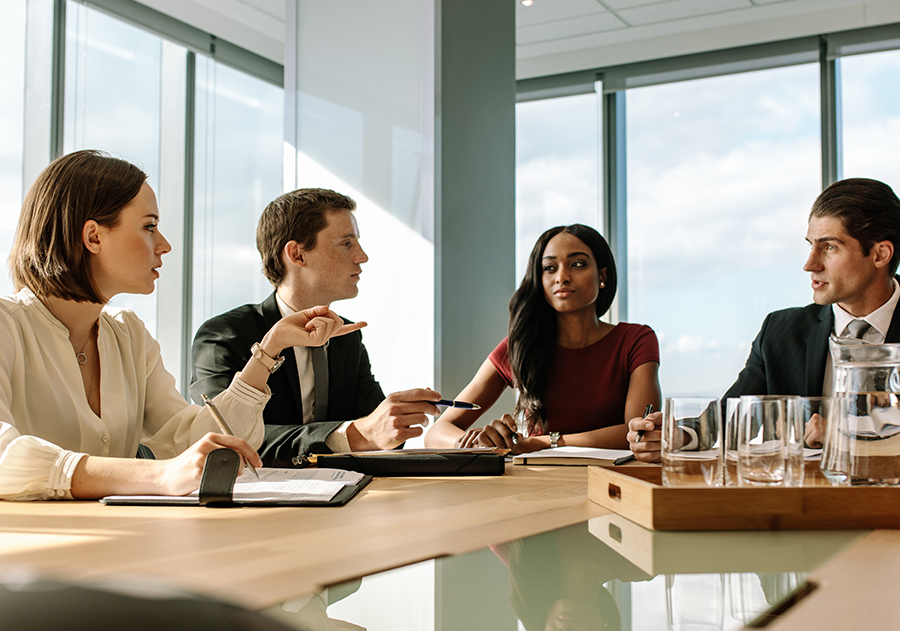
{"x": 46, "y": 423}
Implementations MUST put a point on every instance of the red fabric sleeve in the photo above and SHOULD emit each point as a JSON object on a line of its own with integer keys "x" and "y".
{"x": 500, "y": 359}
{"x": 644, "y": 348}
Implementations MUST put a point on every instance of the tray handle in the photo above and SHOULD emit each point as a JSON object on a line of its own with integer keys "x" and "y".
{"x": 615, "y": 491}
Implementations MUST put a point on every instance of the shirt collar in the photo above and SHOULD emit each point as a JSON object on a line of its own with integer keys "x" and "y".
{"x": 285, "y": 308}
{"x": 880, "y": 319}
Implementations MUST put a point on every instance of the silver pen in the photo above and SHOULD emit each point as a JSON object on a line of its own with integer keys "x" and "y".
{"x": 223, "y": 425}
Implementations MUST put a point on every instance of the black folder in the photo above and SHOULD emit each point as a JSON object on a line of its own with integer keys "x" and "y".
{"x": 400, "y": 464}
{"x": 217, "y": 486}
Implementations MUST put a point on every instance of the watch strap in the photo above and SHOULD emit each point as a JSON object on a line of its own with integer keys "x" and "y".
{"x": 271, "y": 363}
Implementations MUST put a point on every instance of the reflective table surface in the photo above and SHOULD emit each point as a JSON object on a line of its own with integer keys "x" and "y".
{"x": 607, "y": 573}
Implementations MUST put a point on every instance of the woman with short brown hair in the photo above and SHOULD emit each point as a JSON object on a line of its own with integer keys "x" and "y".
{"x": 83, "y": 384}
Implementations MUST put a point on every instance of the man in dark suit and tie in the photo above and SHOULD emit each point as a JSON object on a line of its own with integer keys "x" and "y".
{"x": 325, "y": 399}
{"x": 854, "y": 238}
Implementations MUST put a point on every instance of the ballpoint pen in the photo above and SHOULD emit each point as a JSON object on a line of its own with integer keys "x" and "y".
{"x": 640, "y": 434}
{"x": 220, "y": 421}
{"x": 647, "y": 412}
{"x": 462, "y": 405}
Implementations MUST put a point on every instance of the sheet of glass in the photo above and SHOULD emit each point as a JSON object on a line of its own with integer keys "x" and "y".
{"x": 870, "y": 97}
{"x": 721, "y": 175}
{"x": 558, "y": 177}
{"x": 112, "y": 103}
{"x": 238, "y": 171}
{"x": 607, "y": 573}
{"x": 12, "y": 100}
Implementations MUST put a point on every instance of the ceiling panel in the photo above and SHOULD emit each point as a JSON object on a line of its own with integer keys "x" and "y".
{"x": 565, "y": 29}
{"x": 679, "y": 10}
{"x": 551, "y": 10}
{"x": 630, "y": 4}
{"x": 275, "y": 8}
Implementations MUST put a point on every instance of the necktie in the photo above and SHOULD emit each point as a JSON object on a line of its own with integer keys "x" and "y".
{"x": 857, "y": 329}
{"x": 320, "y": 369}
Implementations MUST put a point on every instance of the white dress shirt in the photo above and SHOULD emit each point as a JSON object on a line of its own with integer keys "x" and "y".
{"x": 337, "y": 440}
{"x": 47, "y": 424}
{"x": 880, "y": 319}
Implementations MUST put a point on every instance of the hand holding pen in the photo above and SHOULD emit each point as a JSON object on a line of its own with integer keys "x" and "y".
{"x": 644, "y": 436}
{"x": 223, "y": 425}
{"x": 647, "y": 412}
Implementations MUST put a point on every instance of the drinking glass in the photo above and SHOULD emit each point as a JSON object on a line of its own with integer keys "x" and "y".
{"x": 695, "y": 602}
{"x": 835, "y": 463}
{"x": 691, "y": 442}
{"x": 746, "y": 597}
{"x": 732, "y": 418}
{"x": 762, "y": 438}
{"x": 799, "y": 411}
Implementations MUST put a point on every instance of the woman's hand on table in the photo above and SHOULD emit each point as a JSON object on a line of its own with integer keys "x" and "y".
{"x": 468, "y": 439}
{"x": 498, "y": 434}
{"x": 181, "y": 475}
{"x": 648, "y": 449}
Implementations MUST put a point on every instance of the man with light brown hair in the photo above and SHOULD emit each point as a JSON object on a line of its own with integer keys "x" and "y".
{"x": 324, "y": 400}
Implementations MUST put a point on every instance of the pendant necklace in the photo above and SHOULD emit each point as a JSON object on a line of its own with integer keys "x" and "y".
{"x": 81, "y": 356}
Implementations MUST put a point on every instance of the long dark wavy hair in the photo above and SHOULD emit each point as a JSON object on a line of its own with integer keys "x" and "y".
{"x": 532, "y": 321}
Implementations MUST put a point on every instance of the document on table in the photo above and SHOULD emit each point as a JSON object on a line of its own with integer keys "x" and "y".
{"x": 572, "y": 456}
{"x": 274, "y": 485}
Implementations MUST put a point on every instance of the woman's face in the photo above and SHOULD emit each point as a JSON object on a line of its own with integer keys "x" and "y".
{"x": 127, "y": 257}
{"x": 570, "y": 276}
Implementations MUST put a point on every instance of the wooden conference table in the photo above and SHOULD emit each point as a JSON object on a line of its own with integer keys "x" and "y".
{"x": 258, "y": 557}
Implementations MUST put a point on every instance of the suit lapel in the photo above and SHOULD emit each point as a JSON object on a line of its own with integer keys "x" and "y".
{"x": 271, "y": 315}
{"x": 817, "y": 351}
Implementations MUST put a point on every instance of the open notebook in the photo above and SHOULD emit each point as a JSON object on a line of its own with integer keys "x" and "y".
{"x": 572, "y": 456}
{"x": 275, "y": 487}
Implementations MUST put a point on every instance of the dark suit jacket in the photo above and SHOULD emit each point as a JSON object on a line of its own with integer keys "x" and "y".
{"x": 222, "y": 347}
{"x": 788, "y": 355}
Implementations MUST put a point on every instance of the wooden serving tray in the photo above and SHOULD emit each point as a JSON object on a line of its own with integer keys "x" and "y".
{"x": 637, "y": 494}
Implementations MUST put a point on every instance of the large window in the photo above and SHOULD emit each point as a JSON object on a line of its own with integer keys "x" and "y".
{"x": 12, "y": 76}
{"x": 209, "y": 136}
{"x": 112, "y": 103}
{"x": 871, "y": 116}
{"x": 558, "y": 178}
{"x": 721, "y": 175}
{"x": 238, "y": 153}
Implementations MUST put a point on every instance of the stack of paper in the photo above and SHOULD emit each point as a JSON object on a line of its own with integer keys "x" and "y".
{"x": 572, "y": 456}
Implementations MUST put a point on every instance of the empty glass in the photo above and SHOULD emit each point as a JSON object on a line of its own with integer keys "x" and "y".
{"x": 732, "y": 421}
{"x": 691, "y": 442}
{"x": 695, "y": 602}
{"x": 768, "y": 440}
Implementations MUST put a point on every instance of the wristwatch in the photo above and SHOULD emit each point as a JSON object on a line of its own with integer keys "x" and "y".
{"x": 554, "y": 440}
{"x": 272, "y": 363}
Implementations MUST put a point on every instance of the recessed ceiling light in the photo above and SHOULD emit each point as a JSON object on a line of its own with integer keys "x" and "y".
{"x": 527, "y": 3}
